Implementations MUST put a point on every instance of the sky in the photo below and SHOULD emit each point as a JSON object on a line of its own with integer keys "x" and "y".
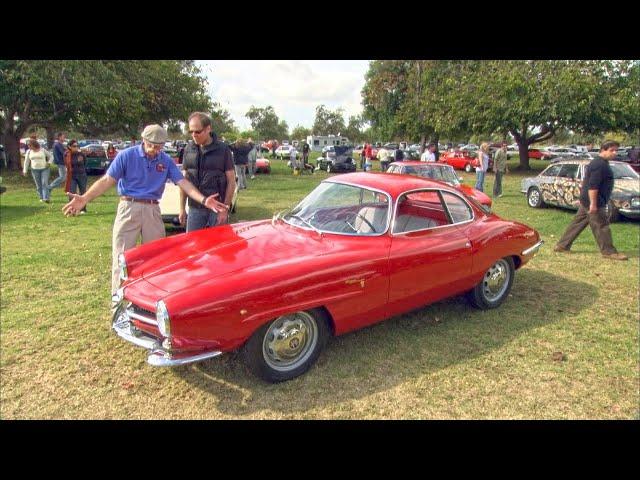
{"x": 292, "y": 87}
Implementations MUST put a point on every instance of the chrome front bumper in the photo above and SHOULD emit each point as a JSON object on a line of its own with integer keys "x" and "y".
{"x": 533, "y": 250}
{"x": 158, "y": 356}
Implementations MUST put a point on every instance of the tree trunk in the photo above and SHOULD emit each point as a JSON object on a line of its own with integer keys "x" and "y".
{"x": 423, "y": 142}
{"x": 523, "y": 149}
{"x": 11, "y": 144}
{"x": 51, "y": 134}
{"x": 436, "y": 141}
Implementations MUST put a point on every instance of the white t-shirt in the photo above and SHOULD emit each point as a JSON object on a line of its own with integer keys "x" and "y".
{"x": 428, "y": 156}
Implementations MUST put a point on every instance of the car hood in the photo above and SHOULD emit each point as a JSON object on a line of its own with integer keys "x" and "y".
{"x": 215, "y": 252}
{"x": 627, "y": 185}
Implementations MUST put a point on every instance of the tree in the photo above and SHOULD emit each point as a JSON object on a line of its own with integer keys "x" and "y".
{"x": 266, "y": 123}
{"x": 94, "y": 97}
{"x": 354, "y": 129}
{"x": 328, "y": 122}
{"x": 300, "y": 133}
{"x": 221, "y": 121}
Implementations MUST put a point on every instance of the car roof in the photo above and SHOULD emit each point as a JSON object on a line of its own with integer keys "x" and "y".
{"x": 391, "y": 183}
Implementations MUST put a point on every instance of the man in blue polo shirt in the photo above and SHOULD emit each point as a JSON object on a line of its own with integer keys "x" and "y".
{"x": 140, "y": 173}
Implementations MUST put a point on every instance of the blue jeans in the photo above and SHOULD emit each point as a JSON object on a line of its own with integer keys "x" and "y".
{"x": 62, "y": 176}
{"x": 199, "y": 218}
{"x": 41, "y": 177}
{"x": 79, "y": 183}
{"x": 480, "y": 180}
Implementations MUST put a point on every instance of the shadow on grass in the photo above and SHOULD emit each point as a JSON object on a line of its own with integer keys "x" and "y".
{"x": 400, "y": 349}
{"x": 15, "y": 213}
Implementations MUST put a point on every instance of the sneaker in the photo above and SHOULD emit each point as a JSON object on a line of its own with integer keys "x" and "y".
{"x": 47, "y": 201}
{"x": 82, "y": 212}
{"x": 41, "y": 200}
{"x": 560, "y": 249}
{"x": 499, "y": 196}
{"x": 252, "y": 177}
{"x": 615, "y": 256}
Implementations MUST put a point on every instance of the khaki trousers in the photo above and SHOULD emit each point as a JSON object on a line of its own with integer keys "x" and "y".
{"x": 134, "y": 219}
{"x": 599, "y": 226}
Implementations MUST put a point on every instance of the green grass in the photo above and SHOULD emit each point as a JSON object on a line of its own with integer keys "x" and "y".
{"x": 59, "y": 358}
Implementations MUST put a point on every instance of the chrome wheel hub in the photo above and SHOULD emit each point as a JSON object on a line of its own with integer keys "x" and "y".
{"x": 534, "y": 198}
{"x": 496, "y": 281}
{"x": 289, "y": 341}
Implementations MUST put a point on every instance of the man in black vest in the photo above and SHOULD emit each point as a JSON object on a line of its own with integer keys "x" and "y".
{"x": 594, "y": 196}
{"x": 208, "y": 164}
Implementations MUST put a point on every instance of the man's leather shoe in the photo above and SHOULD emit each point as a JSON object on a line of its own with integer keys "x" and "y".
{"x": 615, "y": 256}
{"x": 560, "y": 249}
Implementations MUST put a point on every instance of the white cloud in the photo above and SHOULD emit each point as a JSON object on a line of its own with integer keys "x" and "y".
{"x": 293, "y": 87}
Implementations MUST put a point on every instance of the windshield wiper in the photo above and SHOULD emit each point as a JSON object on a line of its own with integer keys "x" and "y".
{"x": 306, "y": 222}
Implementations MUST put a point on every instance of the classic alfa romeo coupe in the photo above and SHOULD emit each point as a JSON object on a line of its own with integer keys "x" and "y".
{"x": 360, "y": 248}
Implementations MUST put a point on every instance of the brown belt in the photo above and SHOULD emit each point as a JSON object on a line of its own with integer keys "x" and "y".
{"x": 139, "y": 200}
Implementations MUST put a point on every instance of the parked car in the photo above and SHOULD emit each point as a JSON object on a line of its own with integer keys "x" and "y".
{"x": 283, "y": 151}
{"x": 266, "y": 146}
{"x": 559, "y": 185}
{"x": 96, "y": 160}
{"x": 86, "y": 142}
{"x": 541, "y": 154}
{"x": 337, "y": 159}
{"x": 561, "y": 152}
{"x": 441, "y": 172}
{"x": 358, "y": 249}
{"x": 459, "y": 159}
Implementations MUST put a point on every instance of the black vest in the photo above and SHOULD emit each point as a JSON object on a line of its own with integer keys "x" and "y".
{"x": 205, "y": 168}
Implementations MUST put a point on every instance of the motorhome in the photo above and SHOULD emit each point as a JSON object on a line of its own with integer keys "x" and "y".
{"x": 318, "y": 142}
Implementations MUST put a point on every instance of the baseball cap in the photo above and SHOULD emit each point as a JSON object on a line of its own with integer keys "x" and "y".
{"x": 155, "y": 134}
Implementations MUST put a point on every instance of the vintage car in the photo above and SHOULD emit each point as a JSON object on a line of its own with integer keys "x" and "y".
{"x": 284, "y": 151}
{"x": 358, "y": 249}
{"x": 541, "y": 154}
{"x": 95, "y": 158}
{"x": 441, "y": 172}
{"x": 559, "y": 185}
{"x": 459, "y": 159}
{"x": 338, "y": 158}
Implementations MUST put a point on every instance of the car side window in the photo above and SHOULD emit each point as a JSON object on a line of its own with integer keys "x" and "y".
{"x": 419, "y": 211}
{"x": 569, "y": 170}
{"x": 459, "y": 210}
{"x": 552, "y": 171}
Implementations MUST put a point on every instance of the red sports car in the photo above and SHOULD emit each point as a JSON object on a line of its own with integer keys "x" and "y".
{"x": 360, "y": 248}
{"x": 539, "y": 154}
{"x": 441, "y": 172}
{"x": 459, "y": 159}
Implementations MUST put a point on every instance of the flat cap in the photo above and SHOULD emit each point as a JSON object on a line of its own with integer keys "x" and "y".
{"x": 155, "y": 134}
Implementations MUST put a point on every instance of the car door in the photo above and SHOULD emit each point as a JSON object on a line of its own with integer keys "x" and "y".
{"x": 546, "y": 183}
{"x": 567, "y": 186}
{"x": 429, "y": 255}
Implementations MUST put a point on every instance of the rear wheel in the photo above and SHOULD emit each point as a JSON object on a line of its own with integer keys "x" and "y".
{"x": 494, "y": 287}
{"x": 467, "y": 168}
{"x": 287, "y": 347}
{"x": 613, "y": 214}
{"x": 534, "y": 198}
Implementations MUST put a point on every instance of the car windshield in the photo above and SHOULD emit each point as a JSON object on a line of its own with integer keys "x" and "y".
{"x": 343, "y": 209}
{"x": 622, "y": 170}
{"x": 435, "y": 172}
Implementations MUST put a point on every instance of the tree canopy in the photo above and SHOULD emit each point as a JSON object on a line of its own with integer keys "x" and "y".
{"x": 266, "y": 123}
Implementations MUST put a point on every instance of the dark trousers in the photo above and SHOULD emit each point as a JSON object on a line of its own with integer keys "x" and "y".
{"x": 79, "y": 183}
{"x": 497, "y": 184}
{"x": 599, "y": 226}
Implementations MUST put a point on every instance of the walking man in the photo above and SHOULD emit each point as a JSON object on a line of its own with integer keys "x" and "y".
{"x": 594, "y": 196}
{"x": 500, "y": 167}
{"x": 140, "y": 173}
{"x": 58, "y": 159}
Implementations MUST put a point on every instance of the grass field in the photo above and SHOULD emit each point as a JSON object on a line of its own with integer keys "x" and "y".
{"x": 563, "y": 346}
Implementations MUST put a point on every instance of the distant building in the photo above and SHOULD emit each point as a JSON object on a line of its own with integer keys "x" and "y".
{"x": 318, "y": 142}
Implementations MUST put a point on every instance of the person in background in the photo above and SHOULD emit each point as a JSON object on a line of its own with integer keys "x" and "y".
{"x": 305, "y": 154}
{"x": 77, "y": 178}
{"x": 429, "y": 153}
{"x": 368, "y": 154}
{"x": 594, "y": 197}
{"x": 253, "y": 155}
{"x": 58, "y": 159}
{"x": 501, "y": 168}
{"x": 383, "y": 156}
{"x": 38, "y": 159}
{"x": 363, "y": 155}
{"x": 483, "y": 166}
{"x": 241, "y": 149}
{"x": 111, "y": 152}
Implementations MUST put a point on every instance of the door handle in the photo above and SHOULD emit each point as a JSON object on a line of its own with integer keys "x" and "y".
{"x": 354, "y": 281}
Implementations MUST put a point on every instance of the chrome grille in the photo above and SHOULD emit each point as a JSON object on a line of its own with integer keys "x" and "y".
{"x": 139, "y": 313}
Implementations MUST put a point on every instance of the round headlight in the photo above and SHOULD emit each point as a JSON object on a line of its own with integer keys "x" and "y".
{"x": 122, "y": 263}
{"x": 635, "y": 202}
{"x": 162, "y": 316}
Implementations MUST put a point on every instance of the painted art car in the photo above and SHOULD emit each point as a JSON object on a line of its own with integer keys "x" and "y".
{"x": 358, "y": 249}
{"x": 559, "y": 185}
{"x": 441, "y": 172}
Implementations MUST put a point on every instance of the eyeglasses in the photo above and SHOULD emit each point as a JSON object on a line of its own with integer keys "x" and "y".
{"x": 197, "y": 132}
{"x": 155, "y": 146}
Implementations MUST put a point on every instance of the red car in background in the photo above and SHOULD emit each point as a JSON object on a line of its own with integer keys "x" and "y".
{"x": 441, "y": 172}
{"x": 460, "y": 159}
{"x": 539, "y": 154}
{"x": 269, "y": 146}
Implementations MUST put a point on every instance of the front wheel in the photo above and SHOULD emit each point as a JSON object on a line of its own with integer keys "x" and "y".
{"x": 534, "y": 198}
{"x": 329, "y": 168}
{"x": 287, "y": 347}
{"x": 494, "y": 287}
{"x": 468, "y": 168}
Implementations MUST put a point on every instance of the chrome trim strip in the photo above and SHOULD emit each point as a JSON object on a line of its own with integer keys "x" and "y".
{"x": 143, "y": 319}
{"x": 633, "y": 210}
{"x": 533, "y": 249}
{"x": 160, "y": 358}
{"x": 123, "y": 330}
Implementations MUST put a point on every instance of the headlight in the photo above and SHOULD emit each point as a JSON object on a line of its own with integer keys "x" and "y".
{"x": 635, "y": 202}
{"x": 162, "y": 316}
{"x": 123, "y": 267}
